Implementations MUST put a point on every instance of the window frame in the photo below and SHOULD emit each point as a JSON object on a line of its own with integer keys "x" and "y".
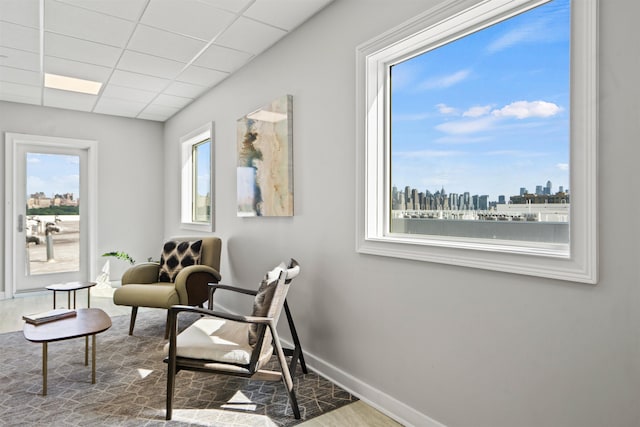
{"x": 187, "y": 144}
{"x": 437, "y": 26}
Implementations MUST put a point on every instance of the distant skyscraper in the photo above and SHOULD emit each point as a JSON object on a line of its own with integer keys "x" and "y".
{"x": 539, "y": 191}
{"x": 561, "y": 189}
{"x": 501, "y": 200}
{"x": 483, "y": 203}
{"x": 547, "y": 189}
{"x": 523, "y": 191}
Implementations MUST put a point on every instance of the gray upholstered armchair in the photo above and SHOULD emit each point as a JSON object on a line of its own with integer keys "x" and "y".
{"x": 182, "y": 277}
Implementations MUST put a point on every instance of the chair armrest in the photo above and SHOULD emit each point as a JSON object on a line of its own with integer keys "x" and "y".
{"x": 176, "y": 309}
{"x": 146, "y": 272}
{"x": 213, "y": 287}
{"x": 194, "y": 279}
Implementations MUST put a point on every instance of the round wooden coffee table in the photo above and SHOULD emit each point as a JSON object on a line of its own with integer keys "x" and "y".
{"x": 87, "y": 322}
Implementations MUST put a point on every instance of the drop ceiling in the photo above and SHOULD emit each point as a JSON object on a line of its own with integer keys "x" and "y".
{"x": 153, "y": 57}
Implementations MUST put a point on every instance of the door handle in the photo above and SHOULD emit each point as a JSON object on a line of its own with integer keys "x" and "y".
{"x": 20, "y": 223}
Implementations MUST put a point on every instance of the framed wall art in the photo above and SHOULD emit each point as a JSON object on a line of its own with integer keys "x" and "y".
{"x": 265, "y": 160}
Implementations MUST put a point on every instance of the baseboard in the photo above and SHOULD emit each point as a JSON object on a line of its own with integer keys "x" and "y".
{"x": 388, "y": 405}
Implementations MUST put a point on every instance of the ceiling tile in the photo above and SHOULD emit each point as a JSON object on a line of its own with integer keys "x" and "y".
{"x": 165, "y": 44}
{"x": 80, "y": 50}
{"x": 79, "y": 70}
{"x": 19, "y": 59}
{"x": 127, "y": 93}
{"x": 118, "y": 107}
{"x": 285, "y": 14}
{"x": 69, "y": 100}
{"x": 16, "y": 75}
{"x": 222, "y": 58}
{"x": 138, "y": 81}
{"x": 185, "y": 89}
{"x": 172, "y": 101}
{"x": 154, "y": 117}
{"x": 21, "y": 98}
{"x": 250, "y": 36}
{"x": 150, "y": 65}
{"x": 161, "y": 110}
{"x": 230, "y": 5}
{"x": 126, "y": 9}
{"x": 23, "y": 12}
{"x": 201, "y": 76}
{"x": 16, "y": 89}
{"x": 19, "y": 37}
{"x": 188, "y": 17}
{"x": 85, "y": 24}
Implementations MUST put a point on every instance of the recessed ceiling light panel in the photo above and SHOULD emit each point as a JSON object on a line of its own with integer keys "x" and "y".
{"x": 72, "y": 84}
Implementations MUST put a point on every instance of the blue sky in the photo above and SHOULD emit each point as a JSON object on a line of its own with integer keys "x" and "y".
{"x": 53, "y": 174}
{"x": 488, "y": 113}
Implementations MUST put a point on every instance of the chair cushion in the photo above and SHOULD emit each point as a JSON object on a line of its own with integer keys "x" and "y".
{"x": 220, "y": 340}
{"x": 262, "y": 301}
{"x": 177, "y": 255}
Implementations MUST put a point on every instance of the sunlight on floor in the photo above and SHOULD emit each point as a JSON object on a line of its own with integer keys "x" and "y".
{"x": 144, "y": 373}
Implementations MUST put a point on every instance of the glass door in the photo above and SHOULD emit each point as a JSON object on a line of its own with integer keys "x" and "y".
{"x": 50, "y": 223}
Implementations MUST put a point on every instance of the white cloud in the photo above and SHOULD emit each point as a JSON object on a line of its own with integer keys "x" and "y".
{"x": 412, "y": 117}
{"x": 427, "y": 154}
{"x": 526, "y": 109}
{"x": 445, "y": 109}
{"x": 467, "y": 126}
{"x": 31, "y": 159}
{"x": 477, "y": 111}
{"x": 460, "y": 140}
{"x": 563, "y": 166}
{"x": 443, "y": 82}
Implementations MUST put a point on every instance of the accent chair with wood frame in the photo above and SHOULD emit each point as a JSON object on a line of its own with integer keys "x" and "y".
{"x": 223, "y": 343}
{"x": 148, "y": 285}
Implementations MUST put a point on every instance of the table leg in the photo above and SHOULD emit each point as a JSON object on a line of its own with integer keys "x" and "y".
{"x": 88, "y": 297}
{"x": 54, "y": 300}
{"x": 86, "y": 350}
{"x": 93, "y": 359}
{"x": 68, "y": 299}
{"x": 74, "y": 299}
{"x": 44, "y": 368}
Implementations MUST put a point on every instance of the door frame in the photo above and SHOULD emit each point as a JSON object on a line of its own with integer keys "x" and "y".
{"x": 12, "y": 140}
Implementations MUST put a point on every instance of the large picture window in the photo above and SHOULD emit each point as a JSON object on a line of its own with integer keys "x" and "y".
{"x": 478, "y": 138}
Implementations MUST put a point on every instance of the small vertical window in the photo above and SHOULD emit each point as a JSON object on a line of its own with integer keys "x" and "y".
{"x": 197, "y": 179}
{"x": 201, "y": 156}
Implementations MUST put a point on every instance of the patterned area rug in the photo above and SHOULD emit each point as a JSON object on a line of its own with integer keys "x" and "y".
{"x": 130, "y": 385}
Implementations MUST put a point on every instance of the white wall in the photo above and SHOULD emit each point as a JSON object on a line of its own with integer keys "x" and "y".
{"x": 462, "y": 346}
{"x": 130, "y": 175}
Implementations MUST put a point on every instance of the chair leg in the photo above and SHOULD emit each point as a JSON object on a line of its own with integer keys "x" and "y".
{"x": 297, "y": 351}
{"x": 171, "y": 369}
{"x": 134, "y": 313}
{"x": 166, "y": 327}
{"x": 286, "y": 375}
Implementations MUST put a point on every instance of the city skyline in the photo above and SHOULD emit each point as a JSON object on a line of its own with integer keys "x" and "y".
{"x": 487, "y": 110}
{"x": 518, "y": 191}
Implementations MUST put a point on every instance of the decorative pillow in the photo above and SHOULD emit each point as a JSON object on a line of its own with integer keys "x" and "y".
{"x": 263, "y": 298}
{"x": 177, "y": 255}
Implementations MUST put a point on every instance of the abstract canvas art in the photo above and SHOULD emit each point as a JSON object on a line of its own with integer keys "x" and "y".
{"x": 265, "y": 160}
